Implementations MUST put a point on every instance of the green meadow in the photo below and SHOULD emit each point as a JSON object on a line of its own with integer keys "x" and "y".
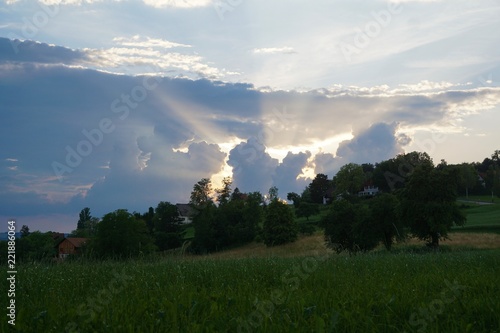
{"x": 451, "y": 291}
{"x": 481, "y": 217}
{"x": 298, "y": 287}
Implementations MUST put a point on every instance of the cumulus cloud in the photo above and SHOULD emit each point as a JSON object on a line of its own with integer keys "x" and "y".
{"x": 286, "y": 177}
{"x": 253, "y": 167}
{"x": 377, "y": 143}
{"x": 169, "y": 176}
{"x": 167, "y": 133}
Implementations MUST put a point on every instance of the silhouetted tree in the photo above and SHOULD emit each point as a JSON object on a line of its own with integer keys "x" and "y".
{"x": 348, "y": 227}
{"x": 280, "y": 226}
{"x": 224, "y": 193}
{"x": 83, "y": 217}
{"x": 167, "y": 226}
{"x": 428, "y": 203}
{"x": 200, "y": 196}
{"x": 294, "y": 197}
{"x": 386, "y": 218}
{"x": 318, "y": 188}
{"x": 120, "y": 234}
{"x": 349, "y": 179}
{"x": 25, "y": 231}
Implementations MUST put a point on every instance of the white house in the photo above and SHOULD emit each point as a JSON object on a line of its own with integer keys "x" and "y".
{"x": 368, "y": 191}
{"x": 186, "y": 213}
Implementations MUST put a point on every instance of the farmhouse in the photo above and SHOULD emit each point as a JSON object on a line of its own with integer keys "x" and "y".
{"x": 186, "y": 213}
{"x": 69, "y": 246}
{"x": 368, "y": 191}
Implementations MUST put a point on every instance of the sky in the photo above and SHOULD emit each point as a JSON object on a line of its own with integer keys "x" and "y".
{"x": 114, "y": 104}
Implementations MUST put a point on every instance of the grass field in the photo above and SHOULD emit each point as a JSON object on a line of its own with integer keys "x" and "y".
{"x": 298, "y": 287}
{"x": 455, "y": 291}
{"x": 481, "y": 218}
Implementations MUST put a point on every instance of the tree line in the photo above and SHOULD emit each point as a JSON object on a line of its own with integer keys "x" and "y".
{"x": 416, "y": 198}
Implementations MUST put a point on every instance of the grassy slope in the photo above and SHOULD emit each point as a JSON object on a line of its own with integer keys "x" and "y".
{"x": 379, "y": 292}
{"x": 481, "y": 218}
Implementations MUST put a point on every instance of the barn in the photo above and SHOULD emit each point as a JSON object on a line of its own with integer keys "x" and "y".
{"x": 70, "y": 246}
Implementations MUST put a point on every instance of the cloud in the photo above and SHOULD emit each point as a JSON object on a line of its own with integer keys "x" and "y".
{"x": 178, "y": 3}
{"x": 275, "y": 50}
{"x": 14, "y": 50}
{"x": 253, "y": 167}
{"x": 131, "y": 55}
{"x": 286, "y": 177}
{"x": 146, "y": 42}
{"x": 377, "y": 143}
{"x": 145, "y": 55}
{"x": 167, "y": 176}
{"x": 168, "y": 133}
{"x": 152, "y": 3}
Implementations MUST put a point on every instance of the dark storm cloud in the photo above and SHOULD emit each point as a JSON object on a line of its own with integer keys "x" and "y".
{"x": 253, "y": 167}
{"x": 128, "y": 131}
{"x": 285, "y": 177}
{"x": 377, "y": 143}
{"x": 14, "y": 50}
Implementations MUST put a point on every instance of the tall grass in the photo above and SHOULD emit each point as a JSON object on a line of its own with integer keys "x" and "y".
{"x": 378, "y": 292}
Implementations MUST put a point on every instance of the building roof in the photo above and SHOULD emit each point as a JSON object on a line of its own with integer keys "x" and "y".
{"x": 76, "y": 241}
{"x": 185, "y": 210}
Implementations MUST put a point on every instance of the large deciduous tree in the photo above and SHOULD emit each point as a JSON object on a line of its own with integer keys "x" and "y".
{"x": 467, "y": 177}
{"x": 349, "y": 179}
{"x": 224, "y": 193}
{"x": 167, "y": 226}
{"x": 428, "y": 203}
{"x": 201, "y": 194}
{"x": 121, "y": 235}
{"x": 386, "y": 218}
{"x": 392, "y": 174}
{"x": 307, "y": 209}
{"x": 348, "y": 227}
{"x": 319, "y": 187}
{"x": 280, "y": 226}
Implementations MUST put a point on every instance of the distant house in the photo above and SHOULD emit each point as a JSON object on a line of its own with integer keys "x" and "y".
{"x": 70, "y": 246}
{"x": 186, "y": 213}
{"x": 368, "y": 191}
